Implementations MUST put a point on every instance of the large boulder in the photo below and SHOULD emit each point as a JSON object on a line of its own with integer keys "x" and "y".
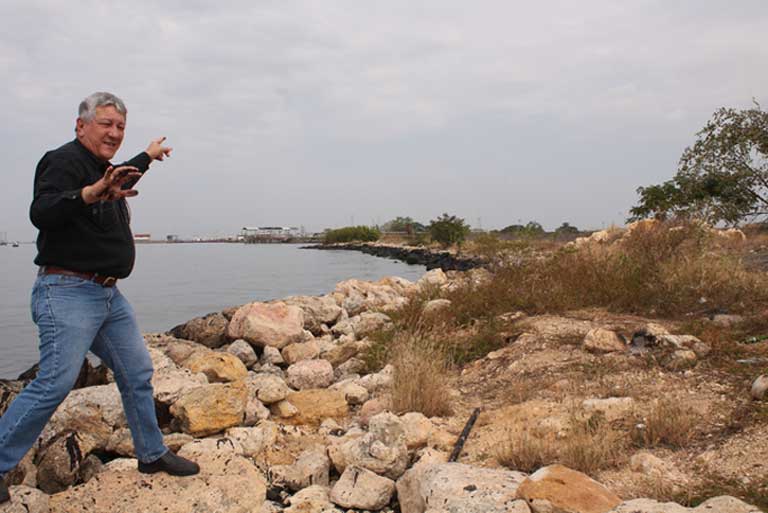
{"x": 63, "y": 461}
{"x": 600, "y": 340}
{"x": 435, "y": 278}
{"x": 562, "y": 489}
{"x": 312, "y": 499}
{"x": 227, "y": 483}
{"x": 218, "y": 367}
{"x": 254, "y": 440}
{"x": 268, "y": 388}
{"x": 211, "y": 408}
{"x": 308, "y": 374}
{"x": 315, "y": 405}
{"x": 318, "y": 310}
{"x": 210, "y": 331}
{"x": 25, "y": 499}
{"x": 96, "y": 411}
{"x": 361, "y": 325}
{"x": 341, "y": 352}
{"x": 382, "y": 450}
{"x": 460, "y": 488}
{"x": 417, "y": 428}
{"x": 362, "y": 489}
{"x": 293, "y": 353}
{"x": 356, "y": 296}
{"x": 268, "y": 324}
{"x": 170, "y": 383}
{"x": 311, "y": 468}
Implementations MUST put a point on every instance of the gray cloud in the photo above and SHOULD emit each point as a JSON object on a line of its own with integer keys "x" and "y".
{"x": 317, "y": 113}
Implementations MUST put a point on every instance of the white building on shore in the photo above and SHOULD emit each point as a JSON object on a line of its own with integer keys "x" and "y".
{"x": 270, "y": 232}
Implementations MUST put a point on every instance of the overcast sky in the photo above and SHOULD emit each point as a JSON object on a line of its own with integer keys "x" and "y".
{"x": 328, "y": 113}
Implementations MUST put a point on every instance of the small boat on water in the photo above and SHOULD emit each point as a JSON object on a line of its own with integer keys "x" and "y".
{"x": 15, "y": 244}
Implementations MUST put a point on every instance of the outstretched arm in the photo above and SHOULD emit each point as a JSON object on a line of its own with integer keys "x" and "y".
{"x": 155, "y": 151}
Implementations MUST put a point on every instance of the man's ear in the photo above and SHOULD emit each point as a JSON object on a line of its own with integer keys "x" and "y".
{"x": 79, "y": 125}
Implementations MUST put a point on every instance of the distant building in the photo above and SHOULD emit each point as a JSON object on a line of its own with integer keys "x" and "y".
{"x": 172, "y": 238}
{"x": 270, "y": 232}
{"x": 142, "y": 237}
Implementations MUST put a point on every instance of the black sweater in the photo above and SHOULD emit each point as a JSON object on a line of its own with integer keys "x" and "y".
{"x": 86, "y": 238}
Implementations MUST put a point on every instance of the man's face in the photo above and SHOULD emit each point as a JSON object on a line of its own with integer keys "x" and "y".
{"x": 104, "y": 133}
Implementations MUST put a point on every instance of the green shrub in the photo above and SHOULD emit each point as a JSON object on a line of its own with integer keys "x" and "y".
{"x": 352, "y": 233}
{"x": 448, "y": 230}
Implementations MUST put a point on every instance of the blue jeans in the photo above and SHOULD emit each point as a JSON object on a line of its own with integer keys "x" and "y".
{"x": 74, "y": 316}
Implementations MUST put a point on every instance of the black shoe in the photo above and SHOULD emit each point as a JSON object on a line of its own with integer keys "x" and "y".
{"x": 5, "y": 496}
{"x": 172, "y": 464}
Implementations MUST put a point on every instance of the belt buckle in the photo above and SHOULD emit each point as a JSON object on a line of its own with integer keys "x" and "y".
{"x": 109, "y": 281}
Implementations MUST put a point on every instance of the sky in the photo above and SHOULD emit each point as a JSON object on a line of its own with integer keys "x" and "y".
{"x": 325, "y": 114}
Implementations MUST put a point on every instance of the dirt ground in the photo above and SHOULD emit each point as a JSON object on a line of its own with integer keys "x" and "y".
{"x": 540, "y": 380}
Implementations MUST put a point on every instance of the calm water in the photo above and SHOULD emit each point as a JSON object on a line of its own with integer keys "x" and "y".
{"x": 172, "y": 283}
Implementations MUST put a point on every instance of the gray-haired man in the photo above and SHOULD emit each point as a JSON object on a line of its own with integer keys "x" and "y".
{"x": 84, "y": 246}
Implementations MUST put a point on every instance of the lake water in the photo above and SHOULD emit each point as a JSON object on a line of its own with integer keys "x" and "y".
{"x": 173, "y": 283}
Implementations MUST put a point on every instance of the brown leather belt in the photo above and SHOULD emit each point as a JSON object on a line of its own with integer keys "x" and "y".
{"x": 104, "y": 281}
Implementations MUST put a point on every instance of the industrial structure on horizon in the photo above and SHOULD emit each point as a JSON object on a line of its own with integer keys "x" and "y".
{"x": 270, "y": 233}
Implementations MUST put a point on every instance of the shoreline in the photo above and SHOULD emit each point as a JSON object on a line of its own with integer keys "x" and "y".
{"x": 411, "y": 255}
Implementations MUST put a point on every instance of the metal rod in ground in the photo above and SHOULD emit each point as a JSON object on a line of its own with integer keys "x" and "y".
{"x": 464, "y": 435}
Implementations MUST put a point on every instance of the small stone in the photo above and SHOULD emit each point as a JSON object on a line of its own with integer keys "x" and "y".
{"x": 353, "y": 393}
{"x": 680, "y": 360}
{"x": 244, "y": 352}
{"x": 284, "y": 409}
{"x": 272, "y": 355}
{"x": 760, "y": 387}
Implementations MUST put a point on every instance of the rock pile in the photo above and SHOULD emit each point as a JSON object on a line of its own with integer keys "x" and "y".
{"x": 272, "y": 400}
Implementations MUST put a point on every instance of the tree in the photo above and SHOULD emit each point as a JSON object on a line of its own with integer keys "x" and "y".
{"x": 532, "y": 229}
{"x": 565, "y": 229}
{"x": 722, "y": 177}
{"x": 404, "y": 224}
{"x": 448, "y": 230}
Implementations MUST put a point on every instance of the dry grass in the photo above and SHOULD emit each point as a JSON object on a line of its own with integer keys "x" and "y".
{"x": 420, "y": 378}
{"x": 527, "y": 452}
{"x": 667, "y": 424}
{"x": 590, "y": 445}
{"x": 708, "y": 485}
{"x": 665, "y": 269}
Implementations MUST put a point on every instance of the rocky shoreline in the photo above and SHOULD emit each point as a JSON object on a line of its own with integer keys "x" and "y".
{"x": 274, "y": 400}
{"x": 413, "y": 255}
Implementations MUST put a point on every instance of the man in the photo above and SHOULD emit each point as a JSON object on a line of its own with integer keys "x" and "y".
{"x": 84, "y": 247}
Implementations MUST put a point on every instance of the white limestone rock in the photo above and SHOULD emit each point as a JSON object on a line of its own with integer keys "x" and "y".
{"x": 362, "y": 489}
{"x": 308, "y": 374}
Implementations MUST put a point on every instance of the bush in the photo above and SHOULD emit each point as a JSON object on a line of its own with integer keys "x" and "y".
{"x": 352, "y": 233}
{"x": 448, "y": 230}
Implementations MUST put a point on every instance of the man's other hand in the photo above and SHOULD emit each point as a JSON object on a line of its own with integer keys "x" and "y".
{"x": 109, "y": 186}
{"x": 157, "y": 151}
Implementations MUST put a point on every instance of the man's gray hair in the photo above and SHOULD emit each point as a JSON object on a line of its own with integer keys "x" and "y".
{"x": 88, "y": 107}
